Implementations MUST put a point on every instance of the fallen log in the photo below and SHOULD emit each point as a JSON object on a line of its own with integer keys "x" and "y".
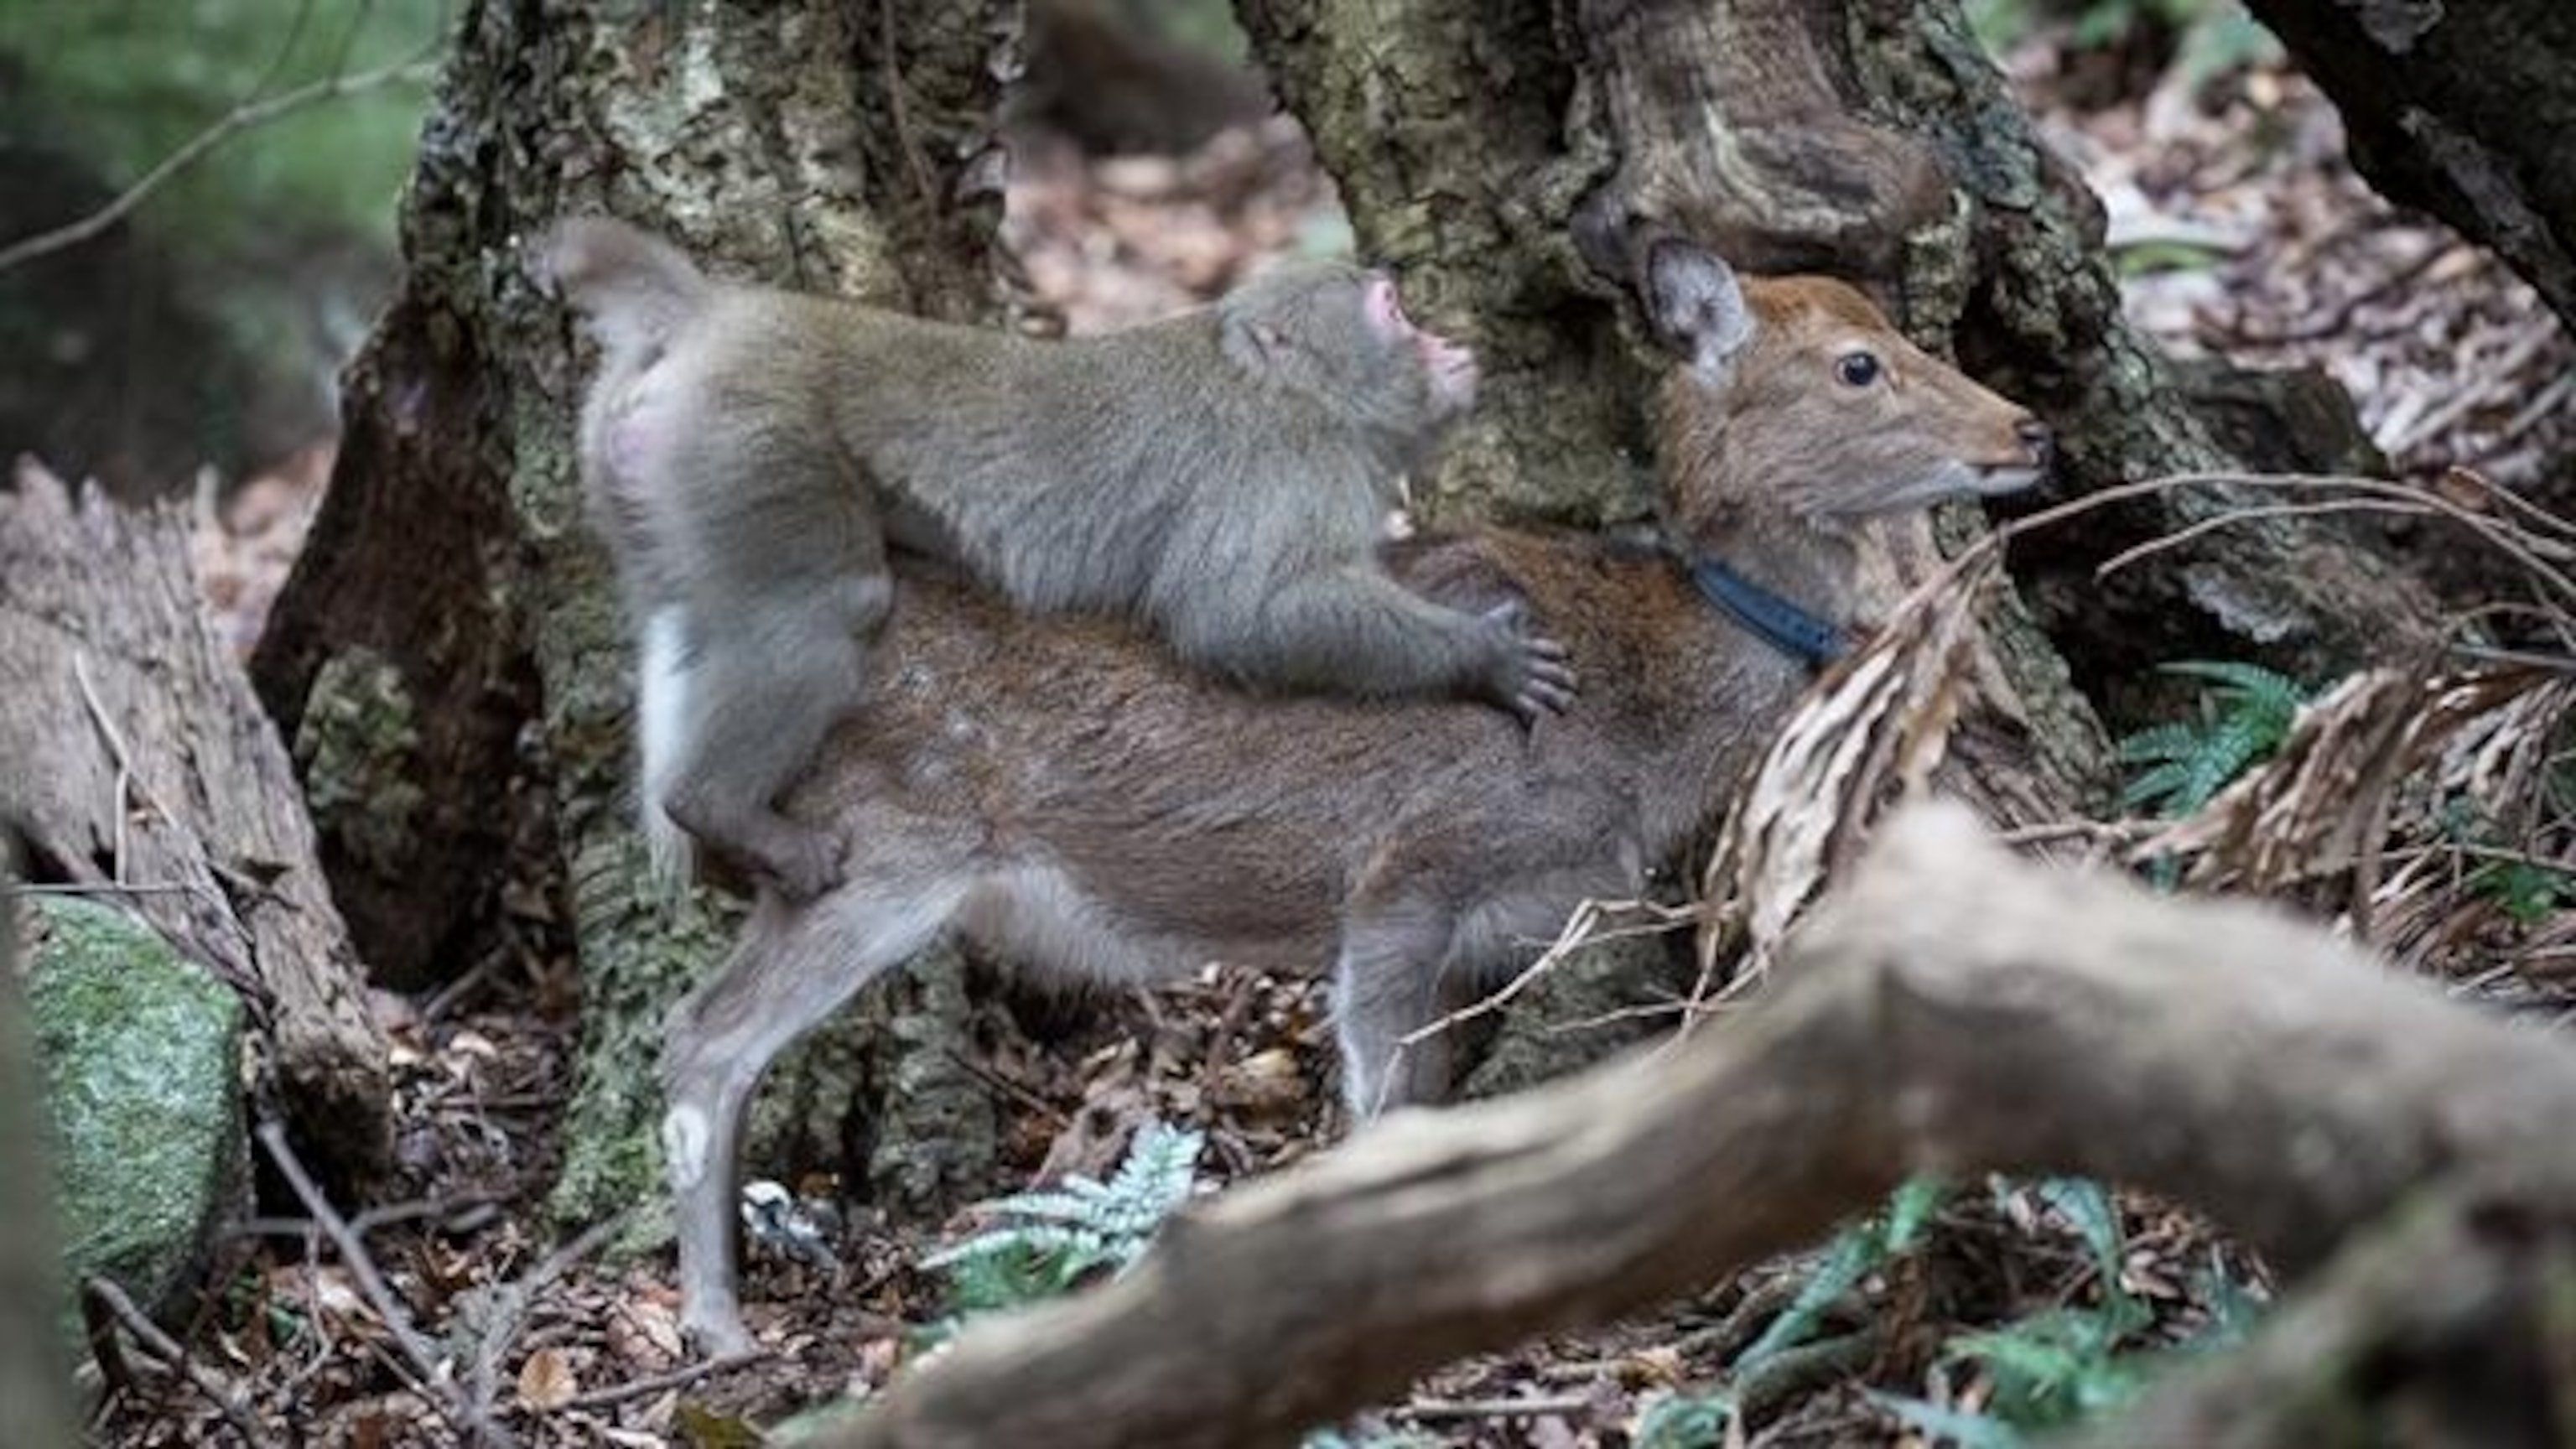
{"x": 137, "y": 764}
{"x": 1952, "y": 1010}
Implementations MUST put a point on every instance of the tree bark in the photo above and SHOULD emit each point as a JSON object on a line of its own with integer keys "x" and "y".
{"x": 2212, "y": 1052}
{"x": 138, "y": 762}
{"x": 834, "y": 148}
{"x": 2462, "y": 110}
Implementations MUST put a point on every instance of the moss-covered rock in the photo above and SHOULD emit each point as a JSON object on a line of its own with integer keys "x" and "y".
{"x": 141, "y": 1053}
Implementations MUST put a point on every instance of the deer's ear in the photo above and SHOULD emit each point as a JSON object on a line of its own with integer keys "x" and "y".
{"x": 1695, "y": 305}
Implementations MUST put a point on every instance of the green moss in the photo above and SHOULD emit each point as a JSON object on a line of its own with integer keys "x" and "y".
{"x": 358, "y": 751}
{"x": 142, "y": 1059}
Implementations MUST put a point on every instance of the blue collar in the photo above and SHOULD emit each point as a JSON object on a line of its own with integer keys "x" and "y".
{"x": 1772, "y": 619}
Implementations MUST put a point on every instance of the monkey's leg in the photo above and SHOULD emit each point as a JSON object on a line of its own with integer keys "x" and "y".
{"x": 1356, "y": 631}
{"x": 1385, "y": 986}
{"x": 795, "y": 965}
{"x": 761, "y": 696}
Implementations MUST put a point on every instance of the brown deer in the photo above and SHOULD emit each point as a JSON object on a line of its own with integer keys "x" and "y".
{"x": 1063, "y": 795}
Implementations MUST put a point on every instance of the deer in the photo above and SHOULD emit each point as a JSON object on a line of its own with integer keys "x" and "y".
{"x": 1063, "y": 795}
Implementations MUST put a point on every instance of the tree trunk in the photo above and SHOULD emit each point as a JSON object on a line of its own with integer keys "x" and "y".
{"x": 137, "y": 763}
{"x": 836, "y": 148}
{"x": 2463, "y": 110}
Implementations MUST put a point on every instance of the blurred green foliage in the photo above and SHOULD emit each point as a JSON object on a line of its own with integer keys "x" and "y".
{"x": 120, "y": 84}
{"x": 1206, "y": 25}
{"x": 2213, "y": 34}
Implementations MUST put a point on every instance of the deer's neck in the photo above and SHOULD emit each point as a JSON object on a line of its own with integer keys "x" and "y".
{"x": 1784, "y": 580}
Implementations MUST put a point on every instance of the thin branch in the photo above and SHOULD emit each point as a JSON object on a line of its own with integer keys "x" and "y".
{"x": 678, "y": 1378}
{"x": 227, "y": 1395}
{"x": 436, "y": 1387}
{"x": 2180, "y": 536}
{"x": 414, "y": 69}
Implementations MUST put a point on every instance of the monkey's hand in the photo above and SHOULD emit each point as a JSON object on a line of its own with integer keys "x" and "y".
{"x": 1529, "y": 675}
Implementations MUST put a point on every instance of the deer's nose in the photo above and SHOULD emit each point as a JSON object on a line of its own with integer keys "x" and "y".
{"x": 2036, "y": 439}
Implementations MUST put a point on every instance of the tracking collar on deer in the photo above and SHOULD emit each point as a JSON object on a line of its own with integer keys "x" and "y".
{"x": 1774, "y": 620}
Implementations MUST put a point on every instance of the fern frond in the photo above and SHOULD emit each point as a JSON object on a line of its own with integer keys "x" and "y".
{"x": 2247, "y": 681}
{"x": 1044, "y": 1241}
{"x": 2173, "y": 740}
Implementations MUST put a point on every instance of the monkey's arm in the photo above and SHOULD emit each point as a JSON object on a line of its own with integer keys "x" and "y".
{"x": 1355, "y": 631}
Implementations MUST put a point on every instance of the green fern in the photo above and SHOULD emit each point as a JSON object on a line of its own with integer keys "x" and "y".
{"x": 1685, "y": 1421}
{"x": 2244, "y": 718}
{"x": 1045, "y": 1242}
{"x": 2067, "y": 1365}
{"x": 1863, "y": 1248}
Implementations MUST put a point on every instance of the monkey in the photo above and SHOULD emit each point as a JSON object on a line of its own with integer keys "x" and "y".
{"x": 1222, "y": 478}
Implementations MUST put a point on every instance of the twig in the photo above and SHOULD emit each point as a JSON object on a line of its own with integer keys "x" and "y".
{"x": 2487, "y": 529}
{"x": 126, "y": 790}
{"x": 1744, "y": 1322}
{"x": 286, "y": 51}
{"x": 2180, "y": 536}
{"x": 895, "y": 112}
{"x": 2456, "y": 407}
{"x": 1580, "y": 929}
{"x": 239, "y": 119}
{"x": 510, "y": 1303}
{"x": 2497, "y": 535}
{"x": 1017, "y": 1092}
{"x": 437, "y": 1389}
{"x": 373, "y": 1218}
{"x": 1434, "y": 1411}
{"x": 104, "y": 1297}
{"x": 677, "y": 1378}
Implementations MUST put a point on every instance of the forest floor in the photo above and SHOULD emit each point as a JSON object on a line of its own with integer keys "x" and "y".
{"x": 2245, "y": 235}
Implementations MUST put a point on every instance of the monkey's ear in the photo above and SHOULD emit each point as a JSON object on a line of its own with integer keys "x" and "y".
{"x": 1695, "y": 305}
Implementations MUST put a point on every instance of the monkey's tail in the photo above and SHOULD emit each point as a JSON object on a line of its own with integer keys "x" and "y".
{"x": 632, "y": 285}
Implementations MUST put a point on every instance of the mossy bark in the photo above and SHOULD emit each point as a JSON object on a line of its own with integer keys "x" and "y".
{"x": 830, "y": 147}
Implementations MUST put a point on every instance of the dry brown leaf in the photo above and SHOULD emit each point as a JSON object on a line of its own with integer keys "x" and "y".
{"x": 1873, "y": 729}
{"x": 546, "y": 1381}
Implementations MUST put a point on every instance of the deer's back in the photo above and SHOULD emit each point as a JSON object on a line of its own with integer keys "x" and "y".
{"x": 1066, "y": 752}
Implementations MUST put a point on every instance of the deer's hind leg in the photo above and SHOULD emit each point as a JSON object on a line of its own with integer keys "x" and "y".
{"x": 794, "y": 966}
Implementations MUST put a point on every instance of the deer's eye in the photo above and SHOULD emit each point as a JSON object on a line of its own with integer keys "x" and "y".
{"x": 1857, "y": 369}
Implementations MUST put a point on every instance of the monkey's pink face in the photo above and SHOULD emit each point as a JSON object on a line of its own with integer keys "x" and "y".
{"x": 1451, "y": 365}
